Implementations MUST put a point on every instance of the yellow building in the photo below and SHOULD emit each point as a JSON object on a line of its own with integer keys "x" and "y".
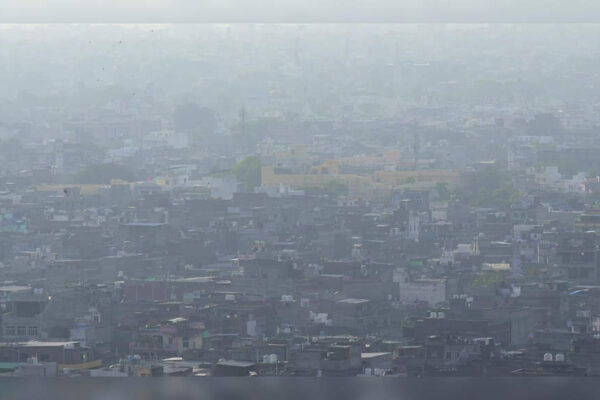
{"x": 421, "y": 175}
{"x": 85, "y": 189}
{"x": 369, "y": 186}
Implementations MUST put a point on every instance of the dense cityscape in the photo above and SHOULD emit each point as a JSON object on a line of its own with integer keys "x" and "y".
{"x": 299, "y": 200}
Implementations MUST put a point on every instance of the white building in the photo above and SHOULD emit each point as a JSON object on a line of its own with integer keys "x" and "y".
{"x": 165, "y": 138}
{"x": 431, "y": 291}
{"x": 220, "y": 187}
{"x": 414, "y": 226}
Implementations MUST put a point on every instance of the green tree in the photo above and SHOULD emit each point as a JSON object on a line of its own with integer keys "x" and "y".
{"x": 504, "y": 196}
{"x": 334, "y": 187}
{"x": 487, "y": 278}
{"x": 442, "y": 191}
{"x": 489, "y": 186}
{"x": 248, "y": 172}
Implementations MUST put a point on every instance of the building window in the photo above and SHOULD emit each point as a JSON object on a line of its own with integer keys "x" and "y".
{"x": 186, "y": 342}
{"x": 32, "y": 331}
{"x": 10, "y": 331}
{"x": 21, "y": 331}
{"x": 448, "y": 355}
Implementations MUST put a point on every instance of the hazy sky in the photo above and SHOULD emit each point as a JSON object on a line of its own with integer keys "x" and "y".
{"x": 21, "y": 11}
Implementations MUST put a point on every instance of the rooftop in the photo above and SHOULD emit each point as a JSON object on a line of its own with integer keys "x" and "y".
{"x": 14, "y": 288}
{"x": 36, "y": 343}
{"x": 353, "y": 301}
{"x": 234, "y": 363}
{"x": 374, "y": 355}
